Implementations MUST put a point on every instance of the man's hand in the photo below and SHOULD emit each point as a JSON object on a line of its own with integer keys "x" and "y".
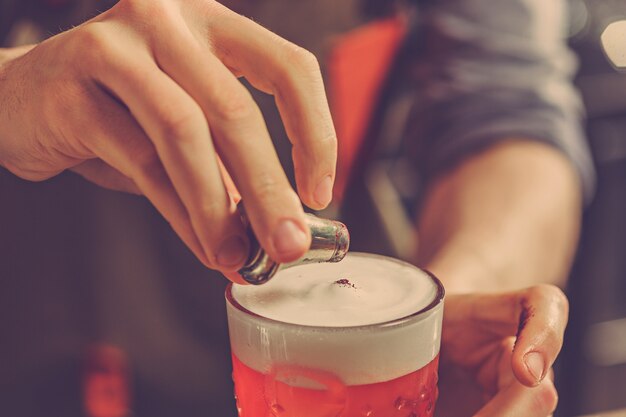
{"x": 497, "y": 352}
{"x": 145, "y": 98}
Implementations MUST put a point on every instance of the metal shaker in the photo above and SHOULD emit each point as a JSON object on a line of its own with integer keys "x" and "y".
{"x": 330, "y": 242}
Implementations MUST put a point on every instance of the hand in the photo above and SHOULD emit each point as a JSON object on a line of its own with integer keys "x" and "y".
{"x": 145, "y": 98}
{"x": 497, "y": 353}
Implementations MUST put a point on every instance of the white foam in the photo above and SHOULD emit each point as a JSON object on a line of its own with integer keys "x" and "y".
{"x": 357, "y": 291}
{"x": 319, "y": 324}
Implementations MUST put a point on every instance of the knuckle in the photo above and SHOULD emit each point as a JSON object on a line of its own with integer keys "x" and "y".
{"x": 215, "y": 212}
{"x": 329, "y": 139}
{"x": 550, "y": 293}
{"x": 179, "y": 125}
{"x": 129, "y": 7}
{"x": 216, "y": 11}
{"x": 266, "y": 186}
{"x": 93, "y": 45}
{"x": 140, "y": 8}
{"x": 147, "y": 17}
{"x": 235, "y": 106}
{"x": 302, "y": 59}
{"x": 91, "y": 37}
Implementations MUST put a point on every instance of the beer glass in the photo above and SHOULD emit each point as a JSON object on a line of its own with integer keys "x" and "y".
{"x": 319, "y": 341}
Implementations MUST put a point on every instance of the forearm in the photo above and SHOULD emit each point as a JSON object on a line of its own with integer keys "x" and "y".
{"x": 505, "y": 218}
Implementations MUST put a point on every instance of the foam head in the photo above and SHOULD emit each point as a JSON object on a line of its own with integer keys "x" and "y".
{"x": 355, "y": 292}
{"x": 356, "y": 318}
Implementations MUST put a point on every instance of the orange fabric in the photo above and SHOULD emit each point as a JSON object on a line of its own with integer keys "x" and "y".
{"x": 357, "y": 67}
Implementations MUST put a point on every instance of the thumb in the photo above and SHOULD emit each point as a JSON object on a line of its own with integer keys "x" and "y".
{"x": 542, "y": 324}
{"x": 519, "y": 400}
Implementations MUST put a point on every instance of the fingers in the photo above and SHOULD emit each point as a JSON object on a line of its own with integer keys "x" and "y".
{"x": 191, "y": 107}
{"x": 99, "y": 172}
{"x": 242, "y": 141}
{"x": 518, "y": 400}
{"x": 292, "y": 75}
{"x": 180, "y": 135}
{"x": 536, "y": 316}
{"x": 122, "y": 145}
{"x": 542, "y": 322}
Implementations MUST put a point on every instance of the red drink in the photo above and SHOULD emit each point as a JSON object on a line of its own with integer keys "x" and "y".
{"x": 321, "y": 342}
{"x": 412, "y": 395}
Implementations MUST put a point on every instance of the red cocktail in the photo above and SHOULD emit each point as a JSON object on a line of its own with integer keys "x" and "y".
{"x": 322, "y": 341}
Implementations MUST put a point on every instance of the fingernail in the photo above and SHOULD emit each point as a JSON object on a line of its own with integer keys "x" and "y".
{"x": 536, "y": 365}
{"x": 289, "y": 238}
{"x": 324, "y": 191}
{"x": 232, "y": 252}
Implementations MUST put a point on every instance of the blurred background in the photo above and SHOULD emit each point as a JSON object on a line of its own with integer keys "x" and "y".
{"x": 84, "y": 299}
{"x": 594, "y": 360}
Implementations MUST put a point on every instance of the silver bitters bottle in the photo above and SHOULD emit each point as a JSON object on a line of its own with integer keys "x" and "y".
{"x": 330, "y": 241}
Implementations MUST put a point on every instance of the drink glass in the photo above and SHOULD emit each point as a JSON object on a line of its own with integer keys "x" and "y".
{"x": 383, "y": 368}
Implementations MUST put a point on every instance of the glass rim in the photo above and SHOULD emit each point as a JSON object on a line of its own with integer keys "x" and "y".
{"x": 437, "y": 300}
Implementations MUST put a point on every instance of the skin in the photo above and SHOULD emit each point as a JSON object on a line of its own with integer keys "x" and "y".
{"x": 505, "y": 218}
{"x": 492, "y": 363}
{"x": 118, "y": 101}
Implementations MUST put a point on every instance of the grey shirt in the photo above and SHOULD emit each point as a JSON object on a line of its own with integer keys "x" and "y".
{"x": 497, "y": 70}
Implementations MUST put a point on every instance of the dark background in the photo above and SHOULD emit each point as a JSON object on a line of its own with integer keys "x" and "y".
{"x": 597, "y": 287}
